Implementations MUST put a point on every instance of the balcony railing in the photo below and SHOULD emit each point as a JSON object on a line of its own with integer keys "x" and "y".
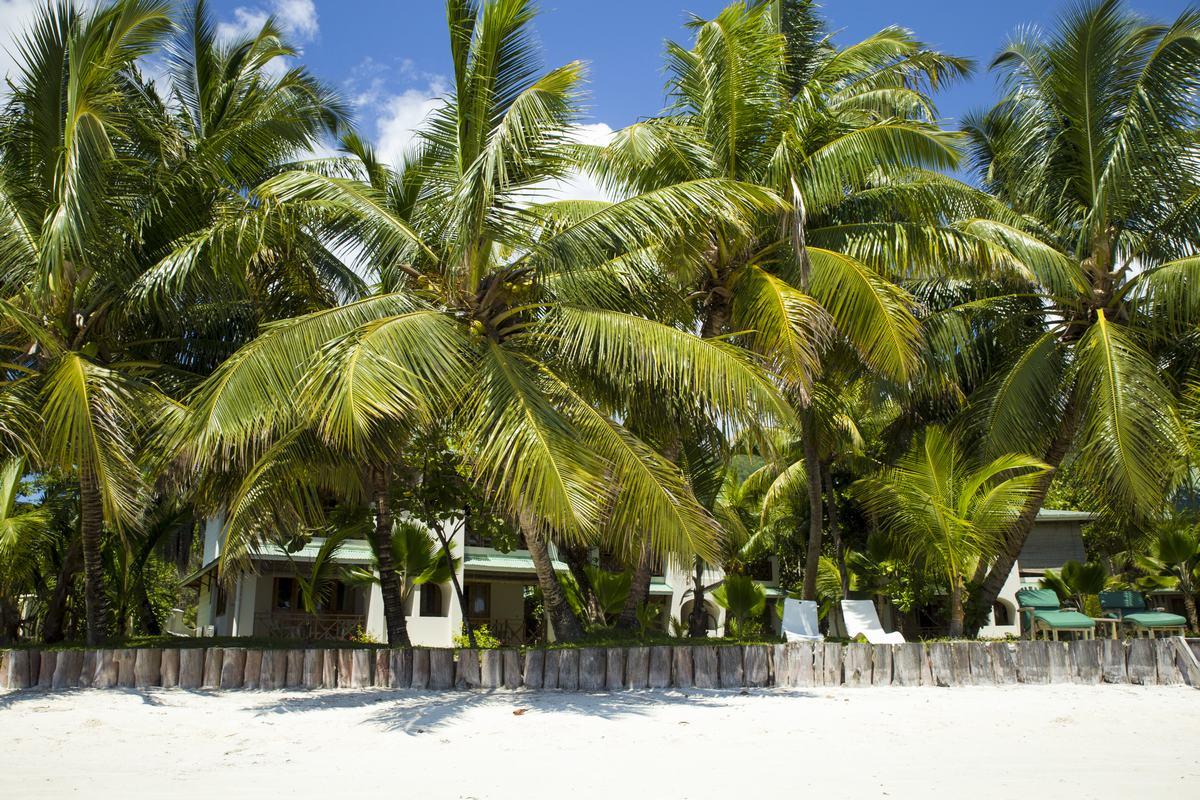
{"x": 510, "y": 632}
{"x": 301, "y": 625}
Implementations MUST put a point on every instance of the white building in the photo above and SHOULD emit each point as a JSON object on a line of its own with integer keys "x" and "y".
{"x": 496, "y": 584}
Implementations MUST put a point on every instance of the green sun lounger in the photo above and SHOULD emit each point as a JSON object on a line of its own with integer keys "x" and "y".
{"x": 1129, "y": 608}
{"x": 1042, "y": 613}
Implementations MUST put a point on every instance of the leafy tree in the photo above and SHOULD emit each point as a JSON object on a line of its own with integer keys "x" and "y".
{"x": 1176, "y": 555}
{"x": 1093, "y": 144}
{"x": 940, "y": 510}
{"x": 744, "y": 600}
{"x": 513, "y": 319}
{"x": 22, "y": 531}
{"x": 1076, "y": 582}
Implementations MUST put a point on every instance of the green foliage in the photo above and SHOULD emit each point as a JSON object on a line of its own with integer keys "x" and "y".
{"x": 744, "y": 601}
{"x": 484, "y": 639}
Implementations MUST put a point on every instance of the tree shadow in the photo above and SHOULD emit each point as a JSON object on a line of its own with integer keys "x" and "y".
{"x": 15, "y": 697}
{"x": 418, "y": 712}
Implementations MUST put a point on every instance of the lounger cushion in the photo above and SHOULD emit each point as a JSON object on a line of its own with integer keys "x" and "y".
{"x": 1041, "y": 599}
{"x": 1155, "y": 619}
{"x": 1064, "y": 620}
{"x": 1125, "y": 601}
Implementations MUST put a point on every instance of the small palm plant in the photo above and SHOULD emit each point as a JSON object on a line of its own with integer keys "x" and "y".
{"x": 417, "y": 557}
{"x": 21, "y": 532}
{"x": 1076, "y": 582}
{"x": 1176, "y": 557}
{"x": 744, "y": 601}
{"x": 941, "y": 510}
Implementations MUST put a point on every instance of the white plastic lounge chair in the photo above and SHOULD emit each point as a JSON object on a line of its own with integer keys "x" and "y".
{"x": 860, "y": 617}
{"x": 800, "y": 621}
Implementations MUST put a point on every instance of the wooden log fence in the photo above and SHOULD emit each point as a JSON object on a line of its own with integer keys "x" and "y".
{"x": 1145, "y": 662}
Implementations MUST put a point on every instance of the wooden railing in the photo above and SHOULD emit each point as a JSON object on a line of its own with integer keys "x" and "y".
{"x": 301, "y": 625}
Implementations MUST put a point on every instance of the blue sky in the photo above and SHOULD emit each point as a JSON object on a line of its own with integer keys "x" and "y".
{"x": 401, "y": 46}
{"x": 390, "y": 56}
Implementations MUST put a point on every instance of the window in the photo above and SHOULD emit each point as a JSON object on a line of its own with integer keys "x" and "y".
{"x": 479, "y": 600}
{"x": 1000, "y": 615}
{"x": 431, "y": 600}
{"x": 286, "y": 594}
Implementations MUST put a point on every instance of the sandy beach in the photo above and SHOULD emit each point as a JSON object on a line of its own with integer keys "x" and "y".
{"x": 899, "y": 743}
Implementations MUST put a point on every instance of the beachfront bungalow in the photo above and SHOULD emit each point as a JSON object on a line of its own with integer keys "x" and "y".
{"x": 497, "y": 586}
{"x": 1056, "y": 538}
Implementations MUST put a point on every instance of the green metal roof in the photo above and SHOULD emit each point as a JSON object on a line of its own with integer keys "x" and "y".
{"x": 485, "y": 559}
{"x": 1059, "y": 515}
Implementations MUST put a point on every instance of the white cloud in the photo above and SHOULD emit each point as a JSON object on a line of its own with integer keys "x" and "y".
{"x": 579, "y": 186}
{"x": 298, "y": 18}
{"x": 15, "y": 18}
{"x": 400, "y": 117}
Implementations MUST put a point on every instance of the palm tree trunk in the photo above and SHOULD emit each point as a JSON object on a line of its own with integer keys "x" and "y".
{"x": 812, "y": 466}
{"x": 54, "y": 623}
{"x": 1189, "y": 606}
{"x": 697, "y": 620}
{"x": 989, "y": 589}
{"x": 957, "y": 614}
{"x": 91, "y": 528}
{"x": 576, "y": 560}
{"x": 567, "y": 627}
{"x": 639, "y": 590}
{"x": 389, "y": 581}
{"x": 835, "y": 528}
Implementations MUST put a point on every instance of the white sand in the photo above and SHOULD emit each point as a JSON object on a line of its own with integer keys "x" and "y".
{"x": 899, "y": 743}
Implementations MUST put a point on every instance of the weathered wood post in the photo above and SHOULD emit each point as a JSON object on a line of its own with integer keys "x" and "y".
{"x": 345, "y": 668}
{"x": 801, "y": 664}
{"x": 233, "y": 668}
{"x": 191, "y": 667}
{"x": 1004, "y": 663}
{"x": 568, "y": 669}
{"x": 20, "y": 671}
{"x": 706, "y": 666}
{"x": 126, "y": 673}
{"x": 491, "y": 668}
{"x": 467, "y": 674}
{"x": 1085, "y": 657}
{"x": 831, "y": 666}
{"x": 361, "y": 661}
{"x": 730, "y": 666}
{"x": 400, "y": 670}
{"x": 213, "y": 656}
{"x": 420, "y": 668}
{"x": 295, "y": 669}
{"x": 513, "y": 678}
{"x": 592, "y": 665}
{"x": 313, "y": 667}
{"x": 67, "y": 669}
{"x": 45, "y": 669}
{"x": 550, "y": 669}
{"x": 659, "y": 673}
{"x": 535, "y": 665}
{"x": 910, "y": 666}
{"x": 683, "y": 673}
{"x": 1033, "y": 661}
{"x": 637, "y": 668}
{"x": 147, "y": 668}
{"x": 881, "y": 665}
{"x": 1164, "y": 657}
{"x": 441, "y": 668}
{"x": 87, "y": 671}
{"x": 106, "y": 669}
{"x": 1060, "y": 665}
{"x": 170, "y": 668}
{"x": 329, "y": 668}
{"x": 1142, "y": 665}
{"x": 857, "y": 664}
{"x": 252, "y": 671}
{"x": 1113, "y": 666}
{"x": 754, "y": 665}
{"x": 382, "y": 668}
{"x": 614, "y": 668}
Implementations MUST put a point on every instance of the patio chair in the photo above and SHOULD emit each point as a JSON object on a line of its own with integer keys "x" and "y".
{"x": 1129, "y": 609}
{"x": 800, "y": 621}
{"x": 1041, "y": 612}
{"x": 860, "y": 617}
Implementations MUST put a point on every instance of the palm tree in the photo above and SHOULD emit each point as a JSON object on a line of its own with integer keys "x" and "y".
{"x": 1176, "y": 555}
{"x": 103, "y": 189}
{"x": 22, "y": 531}
{"x": 512, "y": 319}
{"x": 1094, "y": 146}
{"x": 418, "y": 560}
{"x": 946, "y": 513}
{"x": 849, "y": 138}
{"x": 1075, "y": 582}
